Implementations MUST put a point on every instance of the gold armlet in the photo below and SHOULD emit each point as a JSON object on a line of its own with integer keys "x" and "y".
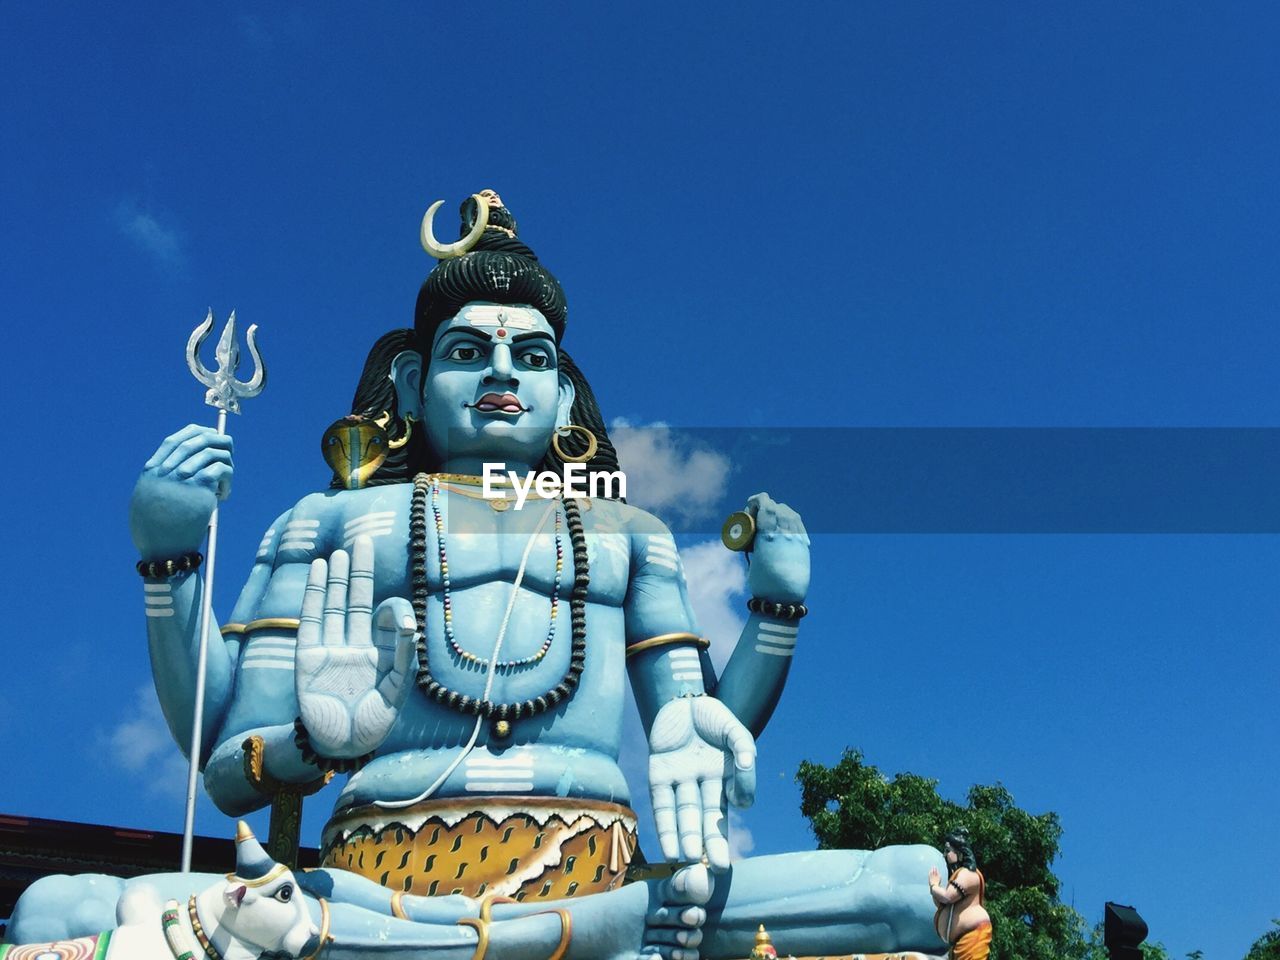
{"x": 665, "y": 639}
{"x": 256, "y": 773}
{"x": 266, "y": 623}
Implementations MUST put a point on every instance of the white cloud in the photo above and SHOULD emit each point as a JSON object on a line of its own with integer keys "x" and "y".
{"x": 668, "y": 475}
{"x": 741, "y": 842}
{"x": 141, "y": 742}
{"x": 163, "y": 244}
{"x": 717, "y": 581}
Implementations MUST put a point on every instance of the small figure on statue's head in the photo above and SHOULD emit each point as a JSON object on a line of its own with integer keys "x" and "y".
{"x": 961, "y": 918}
{"x": 499, "y": 217}
{"x": 490, "y": 263}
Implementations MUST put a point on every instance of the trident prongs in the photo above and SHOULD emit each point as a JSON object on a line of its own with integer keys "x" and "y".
{"x": 225, "y": 391}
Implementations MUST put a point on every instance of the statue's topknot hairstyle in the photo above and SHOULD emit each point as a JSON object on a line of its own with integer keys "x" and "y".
{"x": 499, "y": 268}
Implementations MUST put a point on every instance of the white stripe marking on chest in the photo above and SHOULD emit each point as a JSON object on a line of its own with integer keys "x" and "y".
{"x": 300, "y": 535}
{"x": 370, "y": 525}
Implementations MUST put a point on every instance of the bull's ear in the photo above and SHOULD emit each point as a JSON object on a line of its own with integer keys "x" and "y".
{"x": 235, "y": 893}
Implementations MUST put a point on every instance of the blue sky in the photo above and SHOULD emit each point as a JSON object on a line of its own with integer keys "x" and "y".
{"x": 825, "y": 215}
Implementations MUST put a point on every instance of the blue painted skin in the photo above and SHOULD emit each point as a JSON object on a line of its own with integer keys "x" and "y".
{"x": 341, "y": 557}
{"x": 859, "y": 904}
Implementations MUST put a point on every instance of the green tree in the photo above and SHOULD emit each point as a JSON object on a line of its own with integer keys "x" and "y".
{"x": 854, "y": 806}
{"x": 1267, "y": 946}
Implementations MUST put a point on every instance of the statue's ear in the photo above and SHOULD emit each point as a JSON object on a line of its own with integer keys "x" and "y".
{"x": 565, "y": 404}
{"x": 406, "y": 376}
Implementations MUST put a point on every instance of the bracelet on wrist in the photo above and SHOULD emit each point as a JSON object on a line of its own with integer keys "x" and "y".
{"x": 336, "y": 764}
{"x": 160, "y": 569}
{"x": 255, "y": 771}
{"x": 778, "y": 611}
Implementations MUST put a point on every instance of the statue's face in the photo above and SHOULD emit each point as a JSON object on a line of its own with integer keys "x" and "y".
{"x": 492, "y": 390}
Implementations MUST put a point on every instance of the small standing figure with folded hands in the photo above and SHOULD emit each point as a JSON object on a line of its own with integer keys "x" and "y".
{"x": 961, "y": 919}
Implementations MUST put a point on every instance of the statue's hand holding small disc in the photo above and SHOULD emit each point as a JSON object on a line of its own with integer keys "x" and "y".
{"x": 353, "y": 663}
{"x": 780, "y": 553}
{"x": 699, "y": 754}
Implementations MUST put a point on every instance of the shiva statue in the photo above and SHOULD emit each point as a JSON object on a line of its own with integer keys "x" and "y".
{"x": 407, "y": 627}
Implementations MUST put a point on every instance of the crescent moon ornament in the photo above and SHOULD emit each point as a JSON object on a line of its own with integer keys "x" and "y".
{"x": 446, "y": 251}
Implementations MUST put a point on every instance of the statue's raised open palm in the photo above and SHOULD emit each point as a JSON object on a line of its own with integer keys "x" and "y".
{"x": 353, "y": 663}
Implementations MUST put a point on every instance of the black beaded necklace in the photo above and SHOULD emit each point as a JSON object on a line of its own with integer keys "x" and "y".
{"x": 502, "y": 714}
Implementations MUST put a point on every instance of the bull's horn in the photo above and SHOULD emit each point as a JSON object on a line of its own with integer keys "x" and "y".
{"x": 253, "y": 865}
{"x": 444, "y": 251}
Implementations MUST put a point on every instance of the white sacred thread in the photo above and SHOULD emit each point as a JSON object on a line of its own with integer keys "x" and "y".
{"x": 493, "y": 667}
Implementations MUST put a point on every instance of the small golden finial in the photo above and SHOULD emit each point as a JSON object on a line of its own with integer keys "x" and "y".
{"x": 764, "y": 948}
{"x": 243, "y": 833}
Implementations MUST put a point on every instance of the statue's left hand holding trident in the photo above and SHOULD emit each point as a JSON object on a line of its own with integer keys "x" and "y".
{"x": 176, "y": 502}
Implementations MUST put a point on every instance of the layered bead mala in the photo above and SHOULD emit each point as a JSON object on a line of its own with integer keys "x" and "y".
{"x": 501, "y": 714}
{"x": 447, "y": 596}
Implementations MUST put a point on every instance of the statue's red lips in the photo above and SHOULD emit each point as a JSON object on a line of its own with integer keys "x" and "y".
{"x": 499, "y": 403}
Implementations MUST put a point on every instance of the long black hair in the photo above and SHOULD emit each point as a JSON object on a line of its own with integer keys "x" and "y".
{"x": 958, "y": 840}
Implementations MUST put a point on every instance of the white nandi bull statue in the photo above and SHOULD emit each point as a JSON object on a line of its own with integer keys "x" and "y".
{"x": 257, "y": 911}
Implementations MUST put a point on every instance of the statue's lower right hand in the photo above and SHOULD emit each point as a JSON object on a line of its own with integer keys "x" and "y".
{"x": 353, "y": 663}
{"x": 177, "y": 491}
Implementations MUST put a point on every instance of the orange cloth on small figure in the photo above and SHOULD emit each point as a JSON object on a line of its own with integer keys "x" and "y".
{"x": 974, "y": 945}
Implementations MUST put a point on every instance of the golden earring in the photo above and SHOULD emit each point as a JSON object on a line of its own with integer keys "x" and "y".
{"x": 592, "y": 443}
{"x": 385, "y": 420}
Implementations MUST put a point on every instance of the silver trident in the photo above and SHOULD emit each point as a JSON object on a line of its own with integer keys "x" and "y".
{"x": 224, "y": 392}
